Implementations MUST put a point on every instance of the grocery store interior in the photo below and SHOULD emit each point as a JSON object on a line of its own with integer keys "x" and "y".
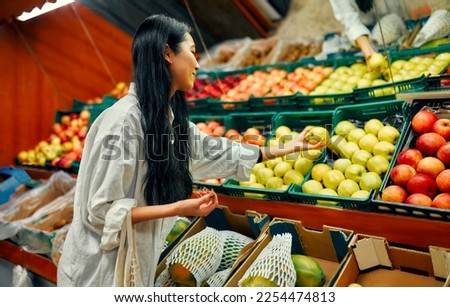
{"x": 370, "y": 209}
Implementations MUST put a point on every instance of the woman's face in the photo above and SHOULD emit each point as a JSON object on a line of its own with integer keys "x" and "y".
{"x": 184, "y": 65}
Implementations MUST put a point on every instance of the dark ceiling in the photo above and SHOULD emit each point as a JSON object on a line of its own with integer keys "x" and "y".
{"x": 217, "y": 20}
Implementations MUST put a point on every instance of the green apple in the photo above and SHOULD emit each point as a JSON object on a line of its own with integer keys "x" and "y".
{"x": 377, "y": 62}
{"x": 274, "y": 143}
{"x": 356, "y": 134}
{"x": 373, "y": 125}
{"x": 292, "y": 158}
{"x": 353, "y": 80}
{"x": 281, "y": 168}
{"x": 384, "y": 149}
{"x": 327, "y": 192}
{"x": 371, "y": 75}
{"x": 344, "y": 127}
{"x": 377, "y": 82}
{"x": 367, "y": 142}
{"x": 389, "y": 134}
{"x": 347, "y": 187}
{"x": 358, "y": 66}
{"x": 341, "y": 164}
{"x": 255, "y": 195}
{"x": 398, "y": 64}
{"x": 257, "y": 167}
{"x": 335, "y": 140}
{"x": 263, "y": 175}
{"x": 312, "y": 187}
{"x": 445, "y": 56}
{"x": 378, "y": 164}
{"x": 272, "y": 162}
{"x": 303, "y": 165}
{"x": 274, "y": 183}
{"x": 317, "y": 134}
{"x": 361, "y": 194}
{"x": 319, "y": 170}
{"x": 347, "y": 149}
{"x": 332, "y": 179}
{"x": 361, "y": 157}
{"x": 249, "y": 182}
{"x": 293, "y": 176}
{"x": 362, "y": 83}
{"x": 312, "y": 154}
{"x": 354, "y": 172}
{"x": 370, "y": 181}
{"x": 281, "y": 131}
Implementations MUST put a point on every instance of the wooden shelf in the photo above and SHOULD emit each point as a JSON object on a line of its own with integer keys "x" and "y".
{"x": 402, "y": 230}
{"x": 35, "y": 263}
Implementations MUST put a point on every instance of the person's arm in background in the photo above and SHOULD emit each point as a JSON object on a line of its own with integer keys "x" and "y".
{"x": 348, "y": 14}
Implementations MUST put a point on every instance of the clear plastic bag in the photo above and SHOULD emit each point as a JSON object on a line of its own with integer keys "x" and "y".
{"x": 437, "y": 26}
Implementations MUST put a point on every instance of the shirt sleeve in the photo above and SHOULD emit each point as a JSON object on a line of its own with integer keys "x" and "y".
{"x": 348, "y": 14}
{"x": 218, "y": 157}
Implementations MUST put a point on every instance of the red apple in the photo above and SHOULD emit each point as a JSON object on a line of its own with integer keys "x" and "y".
{"x": 443, "y": 181}
{"x": 442, "y": 201}
{"x": 442, "y": 127}
{"x": 394, "y": 193}
{"x": 422, "y": 183}
{"x": 419, "y": 200}
{"x": 410, "y": 156}
{"x": 429, "y": 143}
{"x": 401, "y": 173}
{"x": 443, "y": 154}
{"x": 423, "y": 121}
{"x": 431, "y": 166}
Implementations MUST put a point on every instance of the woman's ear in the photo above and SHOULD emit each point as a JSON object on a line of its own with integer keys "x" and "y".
{"x": 168, "y": 54}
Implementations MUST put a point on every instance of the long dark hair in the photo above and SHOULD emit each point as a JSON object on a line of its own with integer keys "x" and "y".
{"x": 166, "y": 144}
{"x": 365, "y": 5}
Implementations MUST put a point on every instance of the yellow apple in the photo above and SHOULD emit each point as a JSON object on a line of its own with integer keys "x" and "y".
{"x": 354, "y": 172}
{"x": 272, "y": 162}
{"x": 347, "y": 149}
{"x": 264, "y": 174}
{"x": 384, "y": 149}
{"x": 344, "y": 127}
{"x": 367, "y": 142}
{"x": 361, "y": 157}
{"x": 378, "y": 164}
{"x": 332, "y": 179}
{"x": 389, "y": 134}
{"x": 281, "y": 168}
{"x": 303, "y": 165}
{"x": 281, "y": 131}
{"x": 341, "y": 164}
{"x": 274, "y": 183}
{"x": 319, "y": 170}
{"x": 293, "y": 176}
{"x": 356, "y": 134}
{"x": 327, "y": 192}
{"x": 317, "y": 134}
{"x": 361, "y": 194}
{"x": 347, "y": 187}
{"x": 373, "y": 126}
{"x": 335, "y": 140}
{"x": 247, "y": 183}
{"x": 370, "y": 181}
{"x": 257, "y": 167}
{"x": 312, "y": 187}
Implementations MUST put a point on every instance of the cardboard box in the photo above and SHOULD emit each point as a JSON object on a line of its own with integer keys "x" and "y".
{"x": 252, "y": 224}
{"x": 374, "y": 263}
{"x": 329, "y": 247}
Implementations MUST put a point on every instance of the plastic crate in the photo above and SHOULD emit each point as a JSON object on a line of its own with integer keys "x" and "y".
{"x": 242, "y": 121}
{"x": 439, "y": 83}
{"x": 388, "y": 112}
{"x": 218, "y": 107}
{"x": 198, "y": 106}
{"x": 274, "y": 103}
{"x": 387, "y": 91}
{"x": 231, "y": 187}
{"x": 410, "y": 109}
{"x": 323, "y": 102}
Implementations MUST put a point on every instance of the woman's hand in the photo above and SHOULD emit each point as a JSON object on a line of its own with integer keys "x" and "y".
{"x": 300, "y": 144}
{"x": 201, "y": 203}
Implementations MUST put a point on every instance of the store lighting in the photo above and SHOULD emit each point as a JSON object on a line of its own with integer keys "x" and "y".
{"x": 47, "y": 7}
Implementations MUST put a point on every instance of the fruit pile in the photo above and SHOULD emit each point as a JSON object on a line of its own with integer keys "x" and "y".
{"x": 364, "y": 152}
{"x": 205, "y": 87}
{"x": 279, "y": 173}
{"x": 63, "y": 146}
{"x": 421, "y": 175}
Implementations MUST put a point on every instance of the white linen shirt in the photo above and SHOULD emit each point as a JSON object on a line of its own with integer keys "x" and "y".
{"x": 356, "y": 22}
{"x": 110, "y": 183}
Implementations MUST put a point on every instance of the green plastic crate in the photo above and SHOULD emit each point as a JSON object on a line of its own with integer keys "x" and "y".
{"x": 323, "y": 102}
{"x": 274, "y": 103}
{"x": 218, "y": 107}
{"x": 232, "y": 188}
{"x": 198, "y": 106}
{"x": 388, "y": 112}
{"x": 242, "y": 121}
{"x": 410, "y": 109}
{"x": 388, "y": 91}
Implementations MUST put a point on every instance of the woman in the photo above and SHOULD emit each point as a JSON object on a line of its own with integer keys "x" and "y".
{"x": 141, "y": 156}
{"x": 358, "y": 15}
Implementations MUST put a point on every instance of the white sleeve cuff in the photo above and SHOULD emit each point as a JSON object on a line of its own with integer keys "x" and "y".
{"x": 113, "y": 222}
